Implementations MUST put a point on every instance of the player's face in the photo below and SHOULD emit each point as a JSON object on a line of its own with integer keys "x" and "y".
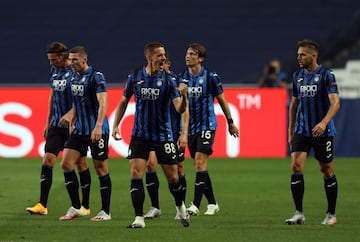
{"x": 56, "y": 60}
{"x": 305, "y": 57}
{"x": 78, "y": 62}
{"x": 192, "y": 58}
{"x": 158, "y": 59}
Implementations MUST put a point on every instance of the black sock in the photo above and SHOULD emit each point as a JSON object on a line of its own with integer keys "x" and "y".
{"x": 105, "y": 191}
{"x": 177, "y": 192}
{"x": 45, "y": 183}
{"x": 85, "y": 182}
{"x": 72, "y": 186}
{"x": 331, "y": 189}
{"x": 137, "y": 196}
{"x": 297, "y": 190}
{"x": 209, "y": 193}
{"x": 182, "y": 180}
{"x": 152, "y": 186}
{"x": 200, "y": 185}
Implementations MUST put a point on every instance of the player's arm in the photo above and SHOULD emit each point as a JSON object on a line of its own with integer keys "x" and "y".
{"x": 102, "y": 98}
{"x": 119, "y": 114}
{"x": 180, "y": 102}
{"x": 68, "y": 117}
{"x": 49, "y": 112}
{"x": 233, "y": 130}
{"x": 333, "y": 109}
{"x": 185, "y": 117}
{"x": 292, "y": 114}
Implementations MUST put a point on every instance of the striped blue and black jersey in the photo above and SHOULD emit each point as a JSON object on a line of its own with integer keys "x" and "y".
{"x": 202, "y": 90}
{"x": 84, "y": 89}
{"x": 153, "y": 98}
{"x": 62, "y": 97}
{"x": 312, "y": 90}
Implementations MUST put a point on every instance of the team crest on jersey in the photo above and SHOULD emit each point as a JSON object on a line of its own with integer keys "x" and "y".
{"x": 159, "y": 83}
{"x": 317, "y": 78}
{"x": 201, "y": 81}
{"x": 83, "y": 79}
{"x": 299, "y": 80}
{"x": 67, "y": 74}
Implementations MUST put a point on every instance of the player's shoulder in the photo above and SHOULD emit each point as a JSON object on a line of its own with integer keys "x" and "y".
{"x": 96, "y": 74}
{"x": 211, "y": 73}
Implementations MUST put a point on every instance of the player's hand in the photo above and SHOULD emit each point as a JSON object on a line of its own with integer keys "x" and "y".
{"x": 67, "y": 118}
{"x": 182, "y": 142}
{"x": 46, "y": 131}
{"x": 183, "y": 89}
{"x": 233, "y": 130}
{"x": 319, "y": 129}
{"x": 96, "y": 134}
{"x": 116, "y": 134}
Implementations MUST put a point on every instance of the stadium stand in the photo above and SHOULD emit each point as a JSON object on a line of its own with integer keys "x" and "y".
{"x": 241, "y": 36}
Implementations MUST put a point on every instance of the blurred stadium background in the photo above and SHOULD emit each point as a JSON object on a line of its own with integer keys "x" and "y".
{"x": 240, "y": 36}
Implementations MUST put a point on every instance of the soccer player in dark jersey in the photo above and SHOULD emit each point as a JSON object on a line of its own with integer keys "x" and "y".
{"x": 91, "y": 129}
{"x": 179, "y": 123}
{"x": 203, "y": 87}
{"x": 314, "y": 103}
{"x": 57, "y": 131}
{"x": 154, "y": 92}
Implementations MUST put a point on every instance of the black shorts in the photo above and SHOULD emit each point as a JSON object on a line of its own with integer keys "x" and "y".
{"x": 55, "y": 140}
{"x": 201, "y": 142}
{"x": 99, "y": 150}
{"x": 180, "y": 153}
{"x": 323, "y": 147}
{"x": 165, "y": 151}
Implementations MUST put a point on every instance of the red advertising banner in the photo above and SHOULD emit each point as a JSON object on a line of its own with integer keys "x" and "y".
{"x": 260, "y": 115}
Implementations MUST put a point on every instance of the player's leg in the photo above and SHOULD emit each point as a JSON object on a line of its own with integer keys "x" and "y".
{"x": 175, "y": 188}
{"x": 167, "y": 155}
{"x": 297, "y": 186}
{"x": 152, "y": 186}
{"x": 45, "y": 185}
{"x": 55, "y": 140}
{"x": 68, "y": 162}
{"x": 300, "y": 147}
{"x": 324, "y": 154}
{"x": 99, "y": 153}
{"x": 137, "y": 170}
{"x": 105, "y": 186}
{"x": 85, "y": 183}
{"x": 182, "y": 180}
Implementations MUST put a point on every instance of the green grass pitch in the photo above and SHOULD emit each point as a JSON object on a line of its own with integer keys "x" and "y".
{"x": 253, "y": 194}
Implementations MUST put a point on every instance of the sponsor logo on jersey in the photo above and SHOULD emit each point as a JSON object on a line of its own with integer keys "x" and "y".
{"x": 308, "y": 90}
{"x": 149, "y": 93}
{"x": 59, "y": 85}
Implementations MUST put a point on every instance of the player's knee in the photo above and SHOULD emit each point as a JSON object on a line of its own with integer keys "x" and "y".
{"x": 297, "y": 167}
{"x": 326, "y": 170}
{"x": 49, "y": 160}
{"x": 66, "y": 166}
{"x": 150, "y": 166}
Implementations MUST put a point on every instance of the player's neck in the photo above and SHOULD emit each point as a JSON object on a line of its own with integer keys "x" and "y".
{"x": 312, "y": 67}
{"x": 150, "y": 70}
{"x": 194, "y": 70}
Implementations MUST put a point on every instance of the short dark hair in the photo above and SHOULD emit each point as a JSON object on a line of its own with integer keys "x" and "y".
{"x": 150, "y": 47}
{"x": 201, "y": 50}
{"x": 57, "y": 48}
{"x": 308, "y": 43}
{"x": 80, "y": 50}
